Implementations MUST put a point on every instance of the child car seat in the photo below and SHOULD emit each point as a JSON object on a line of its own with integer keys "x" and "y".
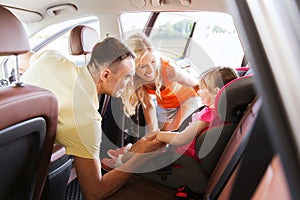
{"x": 230, "y": 103}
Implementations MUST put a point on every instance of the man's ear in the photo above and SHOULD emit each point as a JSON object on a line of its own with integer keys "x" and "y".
{"x": 105, "y": 74}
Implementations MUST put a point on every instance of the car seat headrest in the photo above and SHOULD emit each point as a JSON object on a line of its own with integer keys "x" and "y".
{"x": 82, "y": 40}
{"x": 13, "y": 38}
{"x": 234, "y": 97}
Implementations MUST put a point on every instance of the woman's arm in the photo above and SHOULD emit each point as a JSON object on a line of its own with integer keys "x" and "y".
{"x": 181, "y": 76}
{"x": 150, "y": 113}
{"x": 183, "y": 137}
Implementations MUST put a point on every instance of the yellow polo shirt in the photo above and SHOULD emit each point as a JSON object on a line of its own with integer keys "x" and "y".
{"x": 79, "y": 123}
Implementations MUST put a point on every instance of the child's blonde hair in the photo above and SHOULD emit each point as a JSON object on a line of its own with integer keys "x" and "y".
{"x": 134, "y": 95}
{"x": 217, "y": 77}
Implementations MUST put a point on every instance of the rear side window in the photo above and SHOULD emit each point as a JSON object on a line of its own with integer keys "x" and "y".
{"x": 56, "y": 37}
{"x": 171, "y": 32}
{"x": 201, "y": 39}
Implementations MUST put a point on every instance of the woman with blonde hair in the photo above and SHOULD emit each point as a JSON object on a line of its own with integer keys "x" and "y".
{"x": 158, "y": 78}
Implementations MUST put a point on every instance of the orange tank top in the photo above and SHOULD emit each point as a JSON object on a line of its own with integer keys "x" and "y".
{"x": 173, "y": 94}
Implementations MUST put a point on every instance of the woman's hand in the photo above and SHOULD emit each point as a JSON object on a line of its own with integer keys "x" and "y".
{"x": 152, "y": 133}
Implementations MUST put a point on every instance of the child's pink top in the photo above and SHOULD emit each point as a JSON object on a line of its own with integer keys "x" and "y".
{"x": 208, "y": 115}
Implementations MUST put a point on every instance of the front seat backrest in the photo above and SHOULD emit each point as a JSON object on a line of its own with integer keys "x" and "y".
{"x": 28, "y": 120}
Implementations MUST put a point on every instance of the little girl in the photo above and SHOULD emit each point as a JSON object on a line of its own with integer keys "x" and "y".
{"x": 211, "y": 81}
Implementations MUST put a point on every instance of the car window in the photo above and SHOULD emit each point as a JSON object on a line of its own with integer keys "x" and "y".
{"x": 56, "y": 37}
{"x": 171, "y": 32}
{"x": 216, "y": 35}
{"x": 215, "y": 41}
{"x": 133, "y": 22}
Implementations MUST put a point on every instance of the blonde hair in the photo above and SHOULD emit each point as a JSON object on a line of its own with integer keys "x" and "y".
{"x": 217, "y": 77}
{"x": 133, "y": 96}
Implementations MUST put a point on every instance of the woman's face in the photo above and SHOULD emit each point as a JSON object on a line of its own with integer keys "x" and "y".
{"x": 146, "y": 68}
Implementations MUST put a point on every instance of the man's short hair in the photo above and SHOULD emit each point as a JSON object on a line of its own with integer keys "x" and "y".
{"x": 110, "y": 50}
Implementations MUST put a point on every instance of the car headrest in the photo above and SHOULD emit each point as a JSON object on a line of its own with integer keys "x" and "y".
{"x": 13, "y": 38}
{"x": 82, "y": 40}
{"x": 234, "y": 97}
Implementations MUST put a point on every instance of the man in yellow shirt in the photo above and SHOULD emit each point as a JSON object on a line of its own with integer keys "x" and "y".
{"x": 110, "y": 70}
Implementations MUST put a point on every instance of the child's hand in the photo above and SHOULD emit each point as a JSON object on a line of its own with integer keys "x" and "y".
{"x": 196, "y": 116}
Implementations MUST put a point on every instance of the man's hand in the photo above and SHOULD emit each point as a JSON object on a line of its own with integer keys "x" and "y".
{"x": 148, "y": 147}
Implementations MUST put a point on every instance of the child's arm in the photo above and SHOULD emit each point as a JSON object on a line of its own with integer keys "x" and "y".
{"x": 174, "y": 138}
{"x": 183, "y": 137}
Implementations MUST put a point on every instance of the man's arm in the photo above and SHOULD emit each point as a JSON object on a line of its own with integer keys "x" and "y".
{"x": 96, "y": 186}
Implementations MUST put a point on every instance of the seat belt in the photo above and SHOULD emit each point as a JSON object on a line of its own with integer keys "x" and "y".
{"x": 104, "y": 106}
{"x": 258, "y": 155}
